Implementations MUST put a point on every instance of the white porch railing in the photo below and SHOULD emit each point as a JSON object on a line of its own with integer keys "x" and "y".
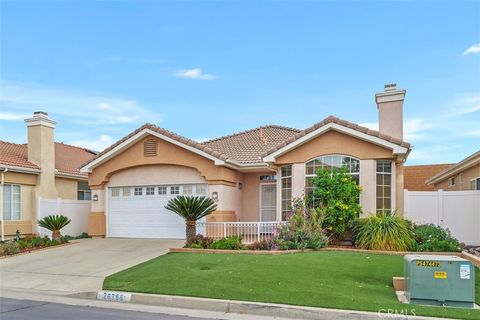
{"x": 250, "y": 231}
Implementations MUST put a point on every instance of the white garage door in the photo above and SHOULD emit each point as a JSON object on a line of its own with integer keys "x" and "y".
{"x": 139, "y": 211}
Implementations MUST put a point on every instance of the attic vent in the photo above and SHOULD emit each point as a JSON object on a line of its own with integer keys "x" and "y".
{"x": 150, "y": 148}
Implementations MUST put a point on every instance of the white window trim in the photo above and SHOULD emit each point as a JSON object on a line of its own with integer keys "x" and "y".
{"x": 281, "y": 187}
{"x": 393, "y": 197}
{"x": 11, "y": 201}
{"x": 474, "y": 179}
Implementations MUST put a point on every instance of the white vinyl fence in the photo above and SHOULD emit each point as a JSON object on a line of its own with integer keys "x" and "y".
{"x": 76, "y": 210}
{"x": 458, "y": 211}
{"x": 250, "y": 231}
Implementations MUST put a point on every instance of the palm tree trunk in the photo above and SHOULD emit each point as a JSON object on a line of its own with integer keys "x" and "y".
{"x": 56, "y": 234}
{"x": 190, "y": 229}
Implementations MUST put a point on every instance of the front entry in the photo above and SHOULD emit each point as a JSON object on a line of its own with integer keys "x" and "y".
{"x": 268, "y": 202}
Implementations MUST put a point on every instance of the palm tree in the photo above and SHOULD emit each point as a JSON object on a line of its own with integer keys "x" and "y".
{"x": 54, "y": 223}
{"x": 191, "y": 209}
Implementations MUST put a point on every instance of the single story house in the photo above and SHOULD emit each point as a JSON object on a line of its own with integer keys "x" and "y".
{"x": 252, "y": 175}
{"x": 41, "y": 168}
{"x": 415, "y": 177}
{"x": 464, "y": 175}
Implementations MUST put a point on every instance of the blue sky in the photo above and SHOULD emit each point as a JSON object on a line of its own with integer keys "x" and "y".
{"x": 206, "y": 69}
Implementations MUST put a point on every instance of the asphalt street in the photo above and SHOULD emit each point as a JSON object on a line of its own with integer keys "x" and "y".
{"x": 11, "y": 309}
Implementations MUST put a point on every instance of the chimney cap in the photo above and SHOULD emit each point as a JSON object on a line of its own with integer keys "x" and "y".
{"x": 390, "y": 87}
{"x": 40, "y": 113}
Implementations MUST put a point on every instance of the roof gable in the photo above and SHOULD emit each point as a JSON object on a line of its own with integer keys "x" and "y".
{"x": 332, "y": 123}
{"x": 150, "y": 129}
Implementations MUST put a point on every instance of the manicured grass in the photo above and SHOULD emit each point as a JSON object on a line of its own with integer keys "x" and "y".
{"x": 328, "y": 279}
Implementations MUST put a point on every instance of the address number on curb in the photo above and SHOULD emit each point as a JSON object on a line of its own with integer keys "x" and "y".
{"x": 114, "y": 296}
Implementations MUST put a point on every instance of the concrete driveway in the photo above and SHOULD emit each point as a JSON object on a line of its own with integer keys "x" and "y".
{"x": 79, "y": 267}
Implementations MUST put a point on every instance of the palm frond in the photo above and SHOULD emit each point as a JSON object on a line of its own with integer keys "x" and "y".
{"x": 191, "y": 208}
{"x": 54, "y": 222}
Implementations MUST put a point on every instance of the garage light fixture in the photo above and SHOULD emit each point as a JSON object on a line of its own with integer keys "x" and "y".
{"x": 215, "y": 196}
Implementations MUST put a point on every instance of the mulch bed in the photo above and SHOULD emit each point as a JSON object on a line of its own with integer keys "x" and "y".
{"x": 27, "y": 251}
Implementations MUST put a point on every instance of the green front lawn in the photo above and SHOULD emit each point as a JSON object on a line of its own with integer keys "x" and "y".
{"x": 328, "y": 279}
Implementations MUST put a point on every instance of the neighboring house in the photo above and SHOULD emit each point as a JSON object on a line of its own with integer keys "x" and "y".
{"x": 464, "y": 175}
{"x": 41, "y": 168}
{"x": 414, "y": 177}
{"x": 252, "y": 175}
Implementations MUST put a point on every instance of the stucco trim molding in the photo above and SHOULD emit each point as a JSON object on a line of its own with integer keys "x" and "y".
{"x": 396, "y": 149}
{"x": 143, "y": 133}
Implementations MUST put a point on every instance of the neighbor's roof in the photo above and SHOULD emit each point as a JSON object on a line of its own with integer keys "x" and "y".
{"x": 248, "y": 146}
{"x": 466, "y": 163}
{"x": 68, "y": 159}
{"x": 414, "y": 177}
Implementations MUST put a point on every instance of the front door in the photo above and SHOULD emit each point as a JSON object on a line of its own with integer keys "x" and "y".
{"x": 268, "y": 202}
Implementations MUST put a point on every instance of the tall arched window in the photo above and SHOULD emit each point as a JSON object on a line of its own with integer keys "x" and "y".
{"x": 330, "y": 162}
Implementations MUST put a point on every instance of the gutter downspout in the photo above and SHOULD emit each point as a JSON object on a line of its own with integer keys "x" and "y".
{"x": 2, "y": 181}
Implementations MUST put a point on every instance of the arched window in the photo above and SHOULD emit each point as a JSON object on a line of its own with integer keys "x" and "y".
{"x": 330, "y": 162}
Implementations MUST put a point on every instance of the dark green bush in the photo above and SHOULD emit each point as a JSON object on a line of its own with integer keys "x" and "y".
{"x": 432, "y": 238}
{"x": 383, "y": 232}
{"x": 10, "y": 247}
{"x": 264, "y": 244}
{"x": 199, "y": 242}
{"x": 229, "y": 243}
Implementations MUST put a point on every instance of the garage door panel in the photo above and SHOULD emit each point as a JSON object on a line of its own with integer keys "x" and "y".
{"x": 144, "y": 216}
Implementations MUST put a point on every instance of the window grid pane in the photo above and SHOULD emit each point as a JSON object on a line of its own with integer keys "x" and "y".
{"x": 384, "y": 186}
{"x": 286, "y": 189}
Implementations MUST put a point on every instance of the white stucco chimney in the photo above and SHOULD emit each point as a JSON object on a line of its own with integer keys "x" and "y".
{"x": 41, "y": 151}
{"x": 390, "y": 111}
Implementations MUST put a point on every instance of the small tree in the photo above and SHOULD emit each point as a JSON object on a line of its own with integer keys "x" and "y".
{"x": 191, "y": 209}
{"x": 336, "y": 195}
{"x": 54, "y": 223}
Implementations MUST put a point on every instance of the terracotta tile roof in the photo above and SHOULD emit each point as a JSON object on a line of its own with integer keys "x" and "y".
{"x": 332, "y": 119}
{"x": 247, "y": 146}
{"x": 414, "y": 177}
{"x": 67, "y": 158}
{"x": 251, "y": 146}
{"x": 13, "y": 154}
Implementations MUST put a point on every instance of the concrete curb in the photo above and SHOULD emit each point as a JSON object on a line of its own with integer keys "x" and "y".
{"x": 261, "y": 309}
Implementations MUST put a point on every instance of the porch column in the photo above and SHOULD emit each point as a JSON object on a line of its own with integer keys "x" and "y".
{"x": 368, "y": 183}
{"x": 298, "y": 180}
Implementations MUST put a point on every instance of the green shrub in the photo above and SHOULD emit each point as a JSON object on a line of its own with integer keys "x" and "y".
{"x": 229, "y": 243}
{"x": 432, "y": 238}
{"x": 336, "y": 195}
{"x": 264, "y": 244}
{"x": 303, "y": 230}
{"x": 23, "y": 244}
{"x": 199, "y": 242}
{"x": 383, "y": 232}
{"x": 37, "y": 242}
{"x": 10, "y": 248}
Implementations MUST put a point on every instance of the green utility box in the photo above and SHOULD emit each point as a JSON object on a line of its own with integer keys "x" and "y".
{"x": 439, "y": 280}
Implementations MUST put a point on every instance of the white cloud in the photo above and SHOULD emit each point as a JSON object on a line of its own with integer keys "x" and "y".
{"x": 429, "y": 154}
{"x": 103, "y": 142}
{"x": 466, "y": 105}
{"x": 413, "y": 128}
{"x": 472, "y": 50}
{"x": 12, "y": 116}
{"x": 78, "y": 107}
{"x": 474, "y": 133}
{"x": 195, "y": 73}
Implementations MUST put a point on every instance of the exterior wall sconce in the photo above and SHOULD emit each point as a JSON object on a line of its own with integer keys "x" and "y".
{"x": 95, "y": 197}
{"x": 215, "y": 196}
{"x": 240, "y": 185}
